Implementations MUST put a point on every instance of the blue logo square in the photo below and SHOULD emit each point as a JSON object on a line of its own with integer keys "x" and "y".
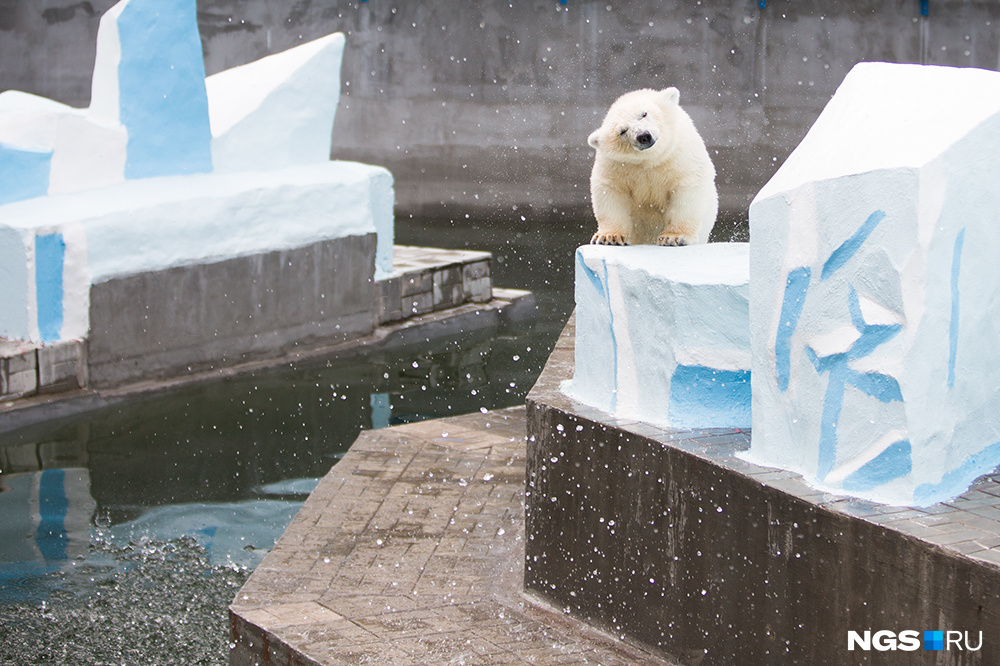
{"x": 933, "y": 640}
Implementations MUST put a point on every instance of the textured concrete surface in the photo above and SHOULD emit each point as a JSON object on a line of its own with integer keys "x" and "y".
{"x": 670, "y": 538}
{"x": 28, "y": 368}
{"x": 489, "y": 104}
{"x": 411, "y": 551}
{"x": 198, "y": 316}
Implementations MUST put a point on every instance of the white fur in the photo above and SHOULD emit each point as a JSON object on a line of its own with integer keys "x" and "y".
{"x": 653, "y": 180}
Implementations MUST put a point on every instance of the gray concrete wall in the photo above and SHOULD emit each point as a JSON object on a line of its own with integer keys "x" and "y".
{"x": 203, "y": 316}
{"x": 487, "y": 105}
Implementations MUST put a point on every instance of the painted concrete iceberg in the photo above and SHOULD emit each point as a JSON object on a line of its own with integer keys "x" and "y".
{"x": 153, "y": 113}
{"x": 149, "y": 78}
{"x": 148, "y": 114}
{"x": 874, "y": 289}
{"x": 662, "y": 334}
{"x": 168, "y": 169}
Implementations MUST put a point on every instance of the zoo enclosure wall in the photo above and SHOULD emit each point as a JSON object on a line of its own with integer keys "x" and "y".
{"x": 485, "y": 106}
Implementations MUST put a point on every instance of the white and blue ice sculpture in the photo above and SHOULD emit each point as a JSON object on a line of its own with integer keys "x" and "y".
{"x": 875, "y": 289}
{"x": 167, "y": 168}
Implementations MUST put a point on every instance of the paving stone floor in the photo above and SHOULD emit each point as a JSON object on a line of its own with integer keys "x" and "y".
{"x": 411, "y": 551}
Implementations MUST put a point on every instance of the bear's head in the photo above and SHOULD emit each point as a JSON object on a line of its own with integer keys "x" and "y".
{"x": 639, "y": 125}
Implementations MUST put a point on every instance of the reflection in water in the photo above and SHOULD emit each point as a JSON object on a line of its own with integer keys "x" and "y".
{"x": 46, "y": 521}
{"x": 222, "y": 442}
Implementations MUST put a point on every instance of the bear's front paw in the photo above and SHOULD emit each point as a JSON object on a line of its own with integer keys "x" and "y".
{"x": 674, "y": 240}
{"x": 609, "y": 238}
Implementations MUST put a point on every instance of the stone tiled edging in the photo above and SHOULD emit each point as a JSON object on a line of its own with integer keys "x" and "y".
{"x": 411, "y": 551}
{"x": 427, "y": 279}
{"x": 28, "y": 368}
{"x": 670, "y": 538}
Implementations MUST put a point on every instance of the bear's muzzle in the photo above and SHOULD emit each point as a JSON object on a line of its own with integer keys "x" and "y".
{"x": 644, "y": 140}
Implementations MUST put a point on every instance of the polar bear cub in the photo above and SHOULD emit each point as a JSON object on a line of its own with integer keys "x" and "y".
{"x": 653, "y": 180}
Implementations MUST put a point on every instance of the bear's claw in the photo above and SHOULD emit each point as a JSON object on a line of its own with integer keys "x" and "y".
{"x": 609, "y": 239}
{"x": 673, "y": 241}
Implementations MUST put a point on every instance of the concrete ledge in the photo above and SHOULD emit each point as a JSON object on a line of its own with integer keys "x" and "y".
{"x": 199, "y": 316}
{"x": 668, "y": 537}
{"x": 510, "y": 312}
{"x": 157, "y": 325}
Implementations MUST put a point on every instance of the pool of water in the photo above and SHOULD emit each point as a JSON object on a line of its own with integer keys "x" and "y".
{"x": 147, "y": 517}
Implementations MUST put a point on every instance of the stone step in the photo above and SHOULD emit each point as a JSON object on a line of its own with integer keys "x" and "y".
{"x": 429, "y": 279}
{"x": 28, "y": 368}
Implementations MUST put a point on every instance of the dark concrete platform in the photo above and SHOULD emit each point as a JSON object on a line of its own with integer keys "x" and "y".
{"x": 411, "y": 551}
{"x": 667, "y": 537}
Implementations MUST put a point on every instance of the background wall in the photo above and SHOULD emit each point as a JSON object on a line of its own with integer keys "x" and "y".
{"x": 483, "y": 106}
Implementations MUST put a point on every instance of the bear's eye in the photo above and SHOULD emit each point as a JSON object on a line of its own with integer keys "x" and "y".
{"x": 643, "y": 115}
{"x": 623, "y": 132}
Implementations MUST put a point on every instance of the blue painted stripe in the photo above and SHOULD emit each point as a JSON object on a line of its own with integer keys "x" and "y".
{"x": 614, "y": 340}
{"x": 796, "y": 286}
{"x": 850, "y": 247}
{"x": 854, "y": 307}
{"x": 833, "y": 401}
{"x": 591, "y": 276}
{"x": 958, "y": 480}
{"x": 956, "y": 266}
{"x": 877, "y": 385}
{"x": 51, "y": 537}
{"x": 163, "y": 103}
{"x": 703, "y": 397}
{"x": 895, "y": 461}
{"x": 872, "y": 337}
{"x": 50, "y": 255}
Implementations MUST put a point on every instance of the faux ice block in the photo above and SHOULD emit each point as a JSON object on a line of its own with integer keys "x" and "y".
{"x": 166, "y": 169}
{"x": 662, "y": 334}
{"x": 875, "y": 287}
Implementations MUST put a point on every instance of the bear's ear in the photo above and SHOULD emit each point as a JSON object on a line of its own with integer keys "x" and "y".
{"x": 594, "y": 139}
{"x": 671, "y": 95}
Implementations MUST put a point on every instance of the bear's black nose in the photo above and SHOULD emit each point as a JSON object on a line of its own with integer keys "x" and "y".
{"x": 645, "y": 140}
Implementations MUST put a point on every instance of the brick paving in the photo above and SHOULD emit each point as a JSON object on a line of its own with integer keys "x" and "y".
{"x": 411, "y": 551}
